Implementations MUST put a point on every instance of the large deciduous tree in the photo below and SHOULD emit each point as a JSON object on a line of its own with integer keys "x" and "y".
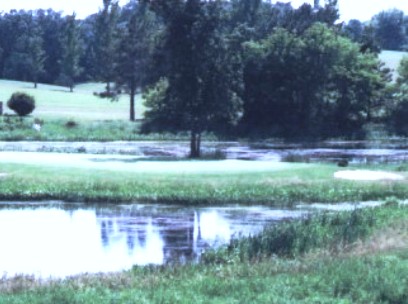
{"x": 204, "y": 73}
{"x": 317, "y": 85}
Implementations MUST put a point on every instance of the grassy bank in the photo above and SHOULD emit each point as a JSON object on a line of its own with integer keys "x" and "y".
{"x": 285, "y": 185}
{"x": 319, "y": 275}
{"x": 13, "y": 128}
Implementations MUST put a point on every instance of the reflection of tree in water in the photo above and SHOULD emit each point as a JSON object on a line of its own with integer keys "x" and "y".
{"x": 183, "y": 237}
{"x": 180, "y": 232}
{"x": 104, "y": 234}
{"x": 106, "y": 230}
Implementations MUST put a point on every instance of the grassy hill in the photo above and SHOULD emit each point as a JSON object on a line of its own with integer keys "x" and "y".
{"x": 55, "y": 102}
{"x": 392, "y": 60}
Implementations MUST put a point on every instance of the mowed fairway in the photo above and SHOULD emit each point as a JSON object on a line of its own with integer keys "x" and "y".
{"x": 55, "y": 102}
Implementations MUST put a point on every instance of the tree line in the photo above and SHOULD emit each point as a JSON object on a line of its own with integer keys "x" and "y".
{"x": 388, "y": 30}
{"x": 238, "y": 67}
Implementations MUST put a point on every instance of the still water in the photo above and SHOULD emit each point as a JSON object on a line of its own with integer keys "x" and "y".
{"x": 58, "y": 239}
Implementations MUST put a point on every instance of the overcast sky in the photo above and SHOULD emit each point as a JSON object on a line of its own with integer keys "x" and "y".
{"x": 349, "y": 9}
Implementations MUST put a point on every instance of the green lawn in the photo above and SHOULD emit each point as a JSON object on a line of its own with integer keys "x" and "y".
{"x": 185, "y": 183}
{"x": 55, "y": 102}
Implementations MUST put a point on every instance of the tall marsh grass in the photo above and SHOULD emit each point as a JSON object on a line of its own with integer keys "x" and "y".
{"x": 334, "y": 233}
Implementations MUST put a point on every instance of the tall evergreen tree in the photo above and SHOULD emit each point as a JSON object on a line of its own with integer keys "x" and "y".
{"x": 36, "y": 53}
{"x": 51, "y": 24}
{"x": 106, "y": 41}
{"x": 134, "y": 51}
{"x": 71, "y": 52}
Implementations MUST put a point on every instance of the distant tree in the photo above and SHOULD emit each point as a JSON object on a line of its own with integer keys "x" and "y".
{"x": 302, "y": 18}
{"x": 204, "y": 75}
{"x": 36, "y": 54}
{"x": 71, "y": 52}
{"x": 389, "y": 29}
{"x": 369, "y": 42}
{"x": 246, "y": 12}
{"x": 52, "y": 25}
{"x": 17, "y": 63}
{"x": 106, "y": 42}
{"x": 354, "y": 30}
{"x": 136, "y": 43}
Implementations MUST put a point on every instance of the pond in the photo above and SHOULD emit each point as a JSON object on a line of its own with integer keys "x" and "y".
{"x": 57, "y": 239}
{"x": 330, "y": 151}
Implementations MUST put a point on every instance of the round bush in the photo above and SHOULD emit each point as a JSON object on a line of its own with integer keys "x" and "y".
{"x": 21, "y": 103}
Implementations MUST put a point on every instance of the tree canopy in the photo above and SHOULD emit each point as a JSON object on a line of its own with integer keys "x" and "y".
{"x": 236, "y": 68}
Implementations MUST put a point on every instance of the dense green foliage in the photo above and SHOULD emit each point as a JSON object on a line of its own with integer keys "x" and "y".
{"x": 316, "y": 84}
{"x": 21, "y": 103}
{"x": 204, "y": 75}
{"x": 239, "y": 68}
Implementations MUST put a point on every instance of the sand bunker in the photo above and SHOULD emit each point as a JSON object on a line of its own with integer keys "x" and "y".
{"x": 367, "y": 175}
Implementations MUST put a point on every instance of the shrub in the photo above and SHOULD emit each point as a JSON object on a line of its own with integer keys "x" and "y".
{"x": 21, "y": 103}
{"x": 70, "y": 124}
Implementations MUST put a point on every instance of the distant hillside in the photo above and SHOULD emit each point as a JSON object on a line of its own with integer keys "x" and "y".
{"x": 392, "y": 60}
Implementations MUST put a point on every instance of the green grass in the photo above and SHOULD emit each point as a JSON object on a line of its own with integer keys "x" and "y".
{"x": 13, "y": 128}
{"x": 333, "y": 233}
{"x": 57, "y": 103}
{"x": 291, "y": 184}
{"x": 77, "y": 116}
{"x": 342, "y": 278}
{"x": 392, "y": 60}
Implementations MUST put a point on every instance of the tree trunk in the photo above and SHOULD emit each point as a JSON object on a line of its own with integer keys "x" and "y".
{"x": 108, "y": 87}
{"x": 35, "y": 84}
{"x": 195, "y": 145}
{"x": 132, "y": 103}
{"x": 71, "y": 88}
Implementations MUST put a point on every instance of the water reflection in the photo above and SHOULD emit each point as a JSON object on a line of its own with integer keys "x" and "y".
{"x": 61, "y": 240}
